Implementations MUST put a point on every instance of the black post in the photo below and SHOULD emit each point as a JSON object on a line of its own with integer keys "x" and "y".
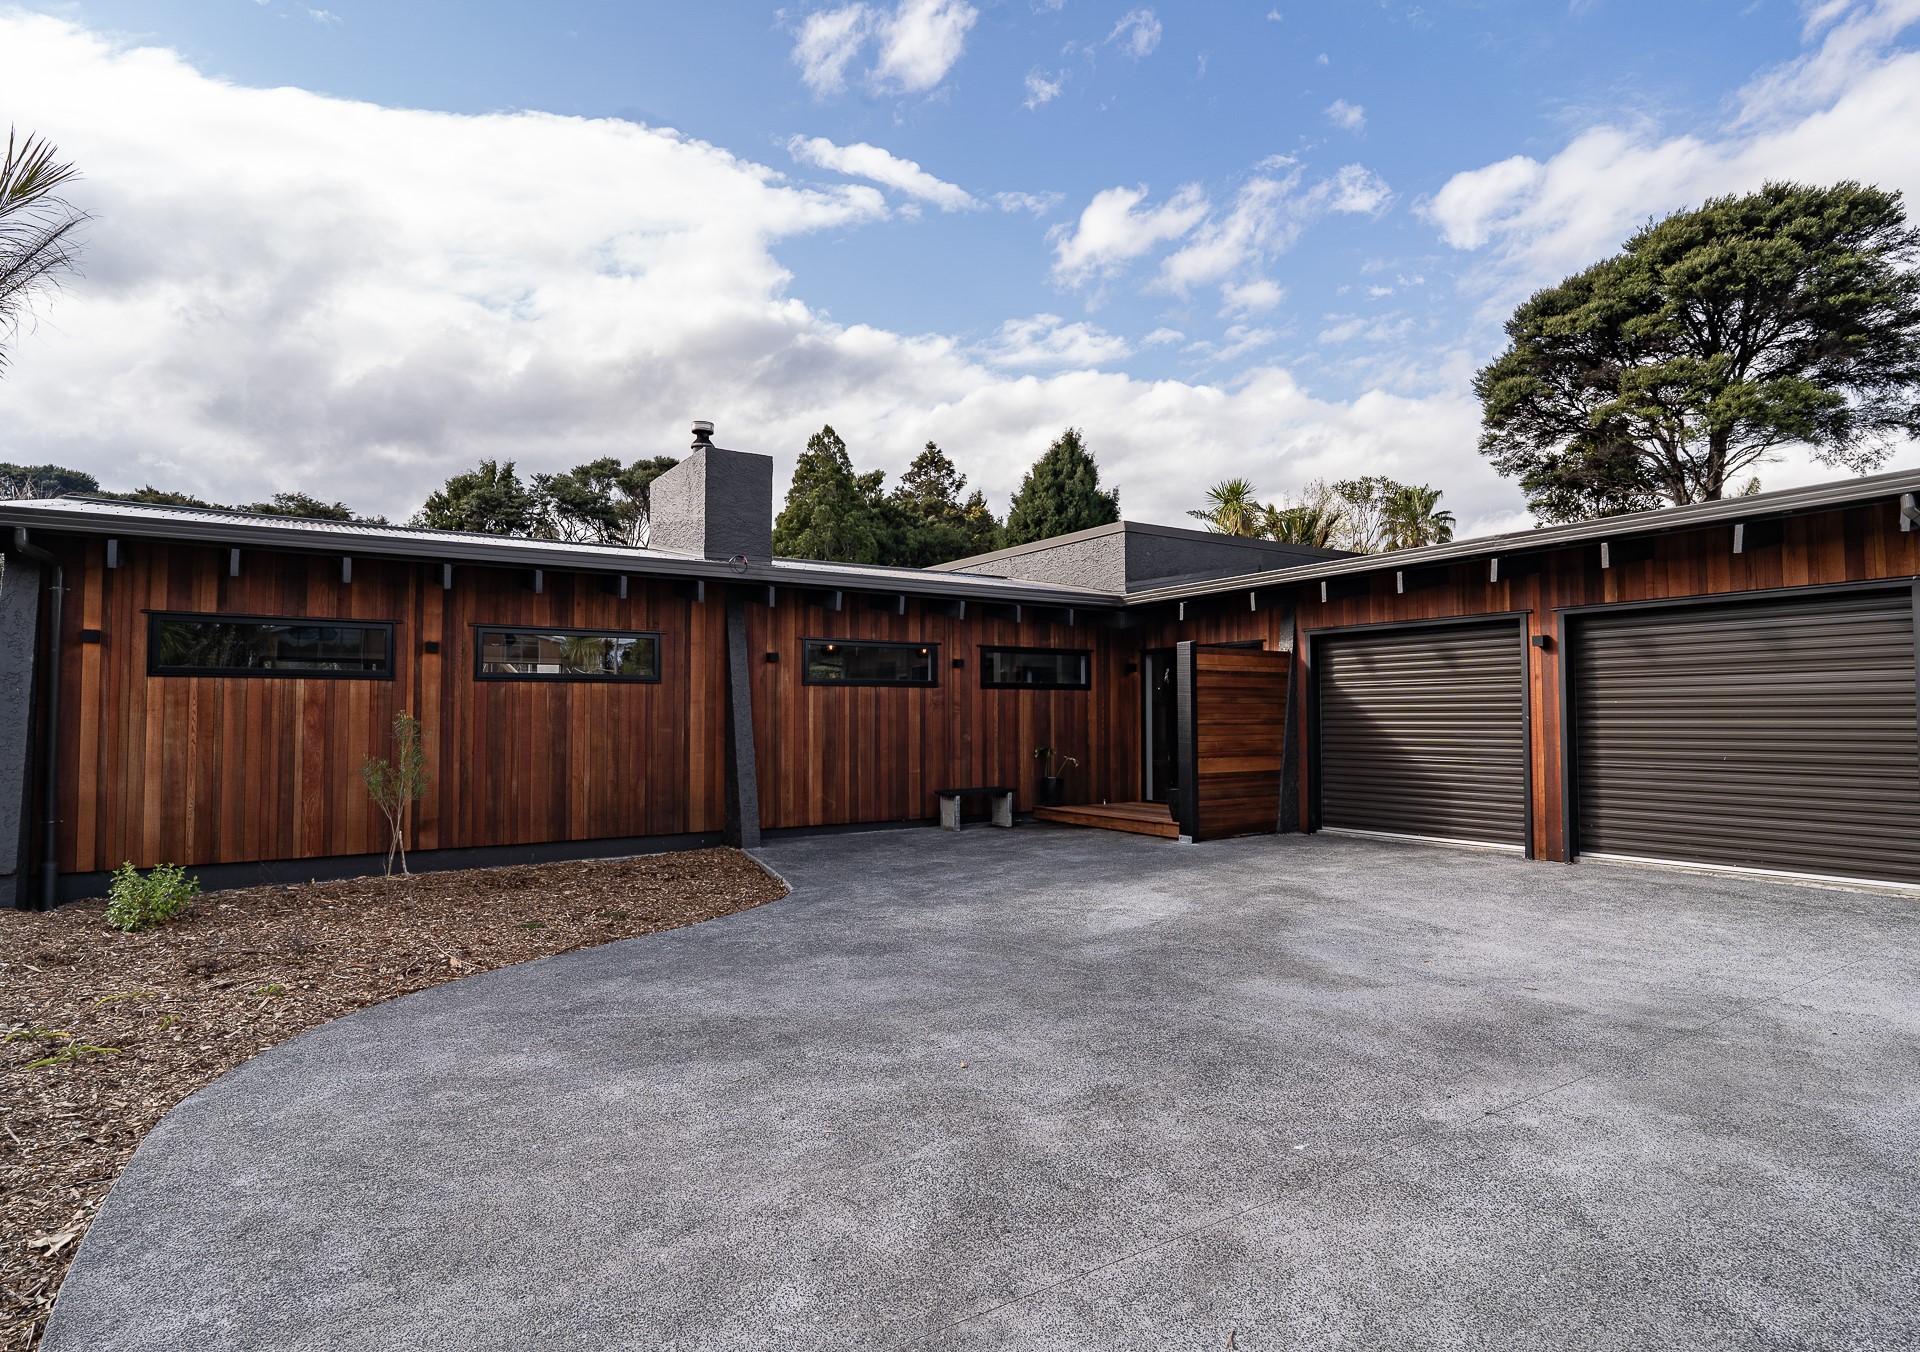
{"x": 1290, "y": 744}
{"x": 50, "y": 726}
{"x": 1186, "y": 753}
{"x": 743, "y": 777}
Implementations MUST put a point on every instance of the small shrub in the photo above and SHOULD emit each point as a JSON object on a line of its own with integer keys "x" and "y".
{"x": 136, "y": 903}
{"x": 72, "y": 1052}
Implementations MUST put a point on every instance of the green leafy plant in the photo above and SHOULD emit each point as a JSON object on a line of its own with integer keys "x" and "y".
{"x": 396, "y": 785}
{"x": 73, "y": 1051}
{"x": 137, "y": 902}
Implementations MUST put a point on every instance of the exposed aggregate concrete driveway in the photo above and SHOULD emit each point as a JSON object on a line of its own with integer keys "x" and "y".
{"x": 1066, "y": 1089}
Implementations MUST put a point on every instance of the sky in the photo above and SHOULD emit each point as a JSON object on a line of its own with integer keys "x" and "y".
{"x": 351, "y": 250}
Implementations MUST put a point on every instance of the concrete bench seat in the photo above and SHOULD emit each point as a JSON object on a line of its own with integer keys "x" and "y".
{"x": 950, "y": 800}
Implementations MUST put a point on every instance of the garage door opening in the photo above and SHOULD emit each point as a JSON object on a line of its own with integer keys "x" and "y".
{"x": 1421, "y": 732}
{"x": 1781, "y": 736}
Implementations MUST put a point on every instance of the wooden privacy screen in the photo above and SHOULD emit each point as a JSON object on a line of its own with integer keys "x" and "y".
{"x": 1233, "y": 720}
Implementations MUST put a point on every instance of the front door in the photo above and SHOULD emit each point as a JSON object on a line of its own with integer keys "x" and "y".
{"x": 1157, "y": 741}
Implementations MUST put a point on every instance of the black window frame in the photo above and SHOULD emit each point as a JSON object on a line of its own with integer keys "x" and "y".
{"x": 155, "y": 668}
{"x": 1084, "y": 653}
{"x": 480, "y": 631}
{"x": 933, "y": 662}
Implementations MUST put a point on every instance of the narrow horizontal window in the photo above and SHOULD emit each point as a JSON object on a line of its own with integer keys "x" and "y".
{"x": 222, "y": 645}
{"x": 566, "y": 655}
{"x": 839, "y": 661}
{"x": 1036, "y": 668}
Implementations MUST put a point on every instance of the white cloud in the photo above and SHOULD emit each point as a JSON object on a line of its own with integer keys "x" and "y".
{"x": 1347, "y": 116}
{"x": 920, "y": 43}
{"x": 1162, "y": 337}
{"x": 1034, "y": 203}
{"x": 1323, "y": 60}
{"x": 871, "y": 162}
{"x": 1138, "y": 33}
{"x": 1259, "y": 225}
{"x": 917, "y": 44}
{"x": 287, "y": 290}
{"x": 1042, "y": 89}
{"x": 1267, "y": 217}
{"x": 1238, "y": 341}
{"x": 1047, "y": 340}
{"x": 827, "y": 44}
{"x": 1356, "y": 190}
{"x": 1111, "y": 232}
{"x": 1846, "y": 108}
{"x": 1251, "y": 296}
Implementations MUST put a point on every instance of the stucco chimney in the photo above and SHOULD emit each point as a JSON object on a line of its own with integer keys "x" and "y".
{"x": 716, "y": 503}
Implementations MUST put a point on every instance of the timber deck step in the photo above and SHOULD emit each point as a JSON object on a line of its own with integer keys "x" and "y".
{"x": 1142, "y": 819}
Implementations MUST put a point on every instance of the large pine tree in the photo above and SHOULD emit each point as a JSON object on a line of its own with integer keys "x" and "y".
{"x": 932, "y": 523}
{"x": 831, "y": 512}
{"x": 1061, "y": 494}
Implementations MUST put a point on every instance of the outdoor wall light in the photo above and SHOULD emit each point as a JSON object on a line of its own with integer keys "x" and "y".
{"x": 959, "y": 662}
{"x": 430, "y": 646}
{"x": 773, "y": 657}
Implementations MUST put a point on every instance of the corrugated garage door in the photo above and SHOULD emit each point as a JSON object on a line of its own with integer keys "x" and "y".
{"x": 1775, "y": 735}
{"x": 1422, "y": 732}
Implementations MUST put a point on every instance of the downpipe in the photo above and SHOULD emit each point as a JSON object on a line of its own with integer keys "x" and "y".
{"x": 50, "y": 786}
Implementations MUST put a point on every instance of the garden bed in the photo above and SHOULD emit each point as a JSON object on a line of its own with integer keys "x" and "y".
{"x": 107, "y": 1031}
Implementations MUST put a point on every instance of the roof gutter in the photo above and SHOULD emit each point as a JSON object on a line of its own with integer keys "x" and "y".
{"x": 50, "y": 722}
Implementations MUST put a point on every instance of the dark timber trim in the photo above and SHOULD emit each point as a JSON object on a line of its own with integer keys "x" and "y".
{"x": 1186, "y": 722}
{"x": 330, "y": 868}
{"x": 1736, "y": 597}
{"x": 742, "y": 792}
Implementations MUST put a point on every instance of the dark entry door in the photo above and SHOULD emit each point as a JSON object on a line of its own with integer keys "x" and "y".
{"x": 1159, "y": 772}
{"x": 1779, "y": 735}
{"x": 1423, "y": 732}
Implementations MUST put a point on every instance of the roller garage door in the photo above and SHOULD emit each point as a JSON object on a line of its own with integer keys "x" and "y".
{"x": 1777, "y": 735}
{"x": 1422, "y": 732}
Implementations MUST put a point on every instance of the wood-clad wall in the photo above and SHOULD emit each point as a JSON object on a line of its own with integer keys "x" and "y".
{"x": 199, "y": 770}
{"x": 1857, "y": 544}
{"x": 203, "y": 769}
{"x": 832, "y": 755}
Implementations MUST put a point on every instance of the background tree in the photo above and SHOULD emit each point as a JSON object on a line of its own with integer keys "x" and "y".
{"x": 1060, "y": 494}
{"x": 1363, "y": 510}
{"x": 1786, "y": 316}
{"x": 38, "y": 231}
{"x": 489, "y": 499}
{"x": 1414, "y": 517}
{"x": 1304, "y": 523}
{"x": 831, "y": 512}
{"x": 932, "y": 524}
{"x": 302, "y": 504}
{"x": 1232, "y": 509}
{"x": 161, "y": 497}
{"x": 602, "y": 501}
{"x": 43, "y": 481}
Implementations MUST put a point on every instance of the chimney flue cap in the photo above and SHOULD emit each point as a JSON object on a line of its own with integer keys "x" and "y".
{"x": 702, "y": 433}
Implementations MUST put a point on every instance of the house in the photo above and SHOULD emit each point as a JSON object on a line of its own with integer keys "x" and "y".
{"x": 1730, "y": 684}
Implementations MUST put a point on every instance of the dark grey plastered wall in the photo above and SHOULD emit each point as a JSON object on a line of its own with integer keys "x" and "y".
{"x": 19, "y": 618}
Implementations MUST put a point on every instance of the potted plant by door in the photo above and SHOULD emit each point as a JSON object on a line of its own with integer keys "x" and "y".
{"x": 1050, "y": 778}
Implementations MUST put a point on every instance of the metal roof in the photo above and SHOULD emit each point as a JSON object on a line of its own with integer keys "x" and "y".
{"x": 1662, "y": 521}
{"x": 96, "y": 516}
{"x": 242, "y": 530}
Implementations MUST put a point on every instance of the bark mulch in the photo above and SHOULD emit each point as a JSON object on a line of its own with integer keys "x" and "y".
{"x": 104, "y": 1032}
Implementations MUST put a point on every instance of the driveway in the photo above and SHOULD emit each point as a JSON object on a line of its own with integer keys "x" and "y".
{"x": 1051, "y": 1088}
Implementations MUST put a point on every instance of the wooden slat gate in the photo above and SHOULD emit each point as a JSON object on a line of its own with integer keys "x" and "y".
{"x": 1232, "y": 720}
